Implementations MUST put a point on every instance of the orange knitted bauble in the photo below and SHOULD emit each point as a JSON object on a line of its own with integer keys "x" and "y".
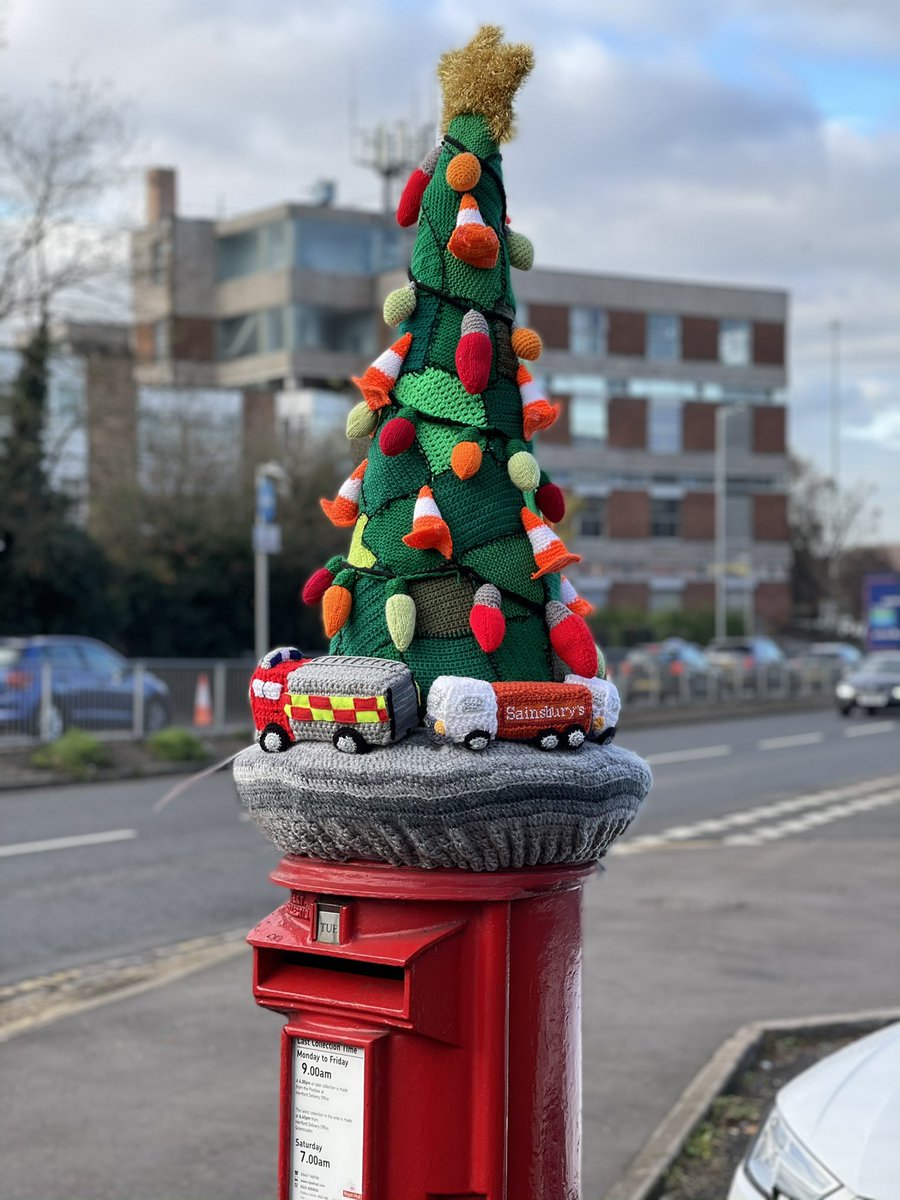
{"x": 463, "y": 172}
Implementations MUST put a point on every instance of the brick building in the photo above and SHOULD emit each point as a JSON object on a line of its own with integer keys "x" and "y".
{"x": 286, "y": 302}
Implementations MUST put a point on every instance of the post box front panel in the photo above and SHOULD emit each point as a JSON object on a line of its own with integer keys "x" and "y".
{"x": 326, "y": 1116}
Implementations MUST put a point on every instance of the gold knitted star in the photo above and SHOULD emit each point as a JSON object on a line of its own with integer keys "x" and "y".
{"x": 483, "y": 78}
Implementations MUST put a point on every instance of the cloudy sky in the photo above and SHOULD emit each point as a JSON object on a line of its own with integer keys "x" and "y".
{"x": 740, "y": 141}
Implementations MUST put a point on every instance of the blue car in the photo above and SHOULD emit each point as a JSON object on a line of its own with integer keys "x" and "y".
{"x": 91, "y": 686}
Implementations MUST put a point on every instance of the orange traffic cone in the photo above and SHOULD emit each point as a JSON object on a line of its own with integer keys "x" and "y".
{"x": 381, "y": 376}
{"x": 549, "y": 552}
{"x": 344, "y": 508}
{"x": 430, "y": 531}
{"x": 472, "y": 241}
{"x": 537, "y": 411}
{"x": 203, "y": 713}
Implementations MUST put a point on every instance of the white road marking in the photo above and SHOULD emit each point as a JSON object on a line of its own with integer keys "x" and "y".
{"x": 838, "y": 812}
{"x": 66, "y": 843}
{"x": 876, "y": 727}
{"x": 794, "y": 739}
{"x": 678, "y": 756}
{"x": 836, "y": 802}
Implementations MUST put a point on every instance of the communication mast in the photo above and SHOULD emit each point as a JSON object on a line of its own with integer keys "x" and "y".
{"x": 391, "y": 151}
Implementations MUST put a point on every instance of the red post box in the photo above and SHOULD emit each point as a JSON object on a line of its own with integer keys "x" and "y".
{"x": 433, "y": 1044}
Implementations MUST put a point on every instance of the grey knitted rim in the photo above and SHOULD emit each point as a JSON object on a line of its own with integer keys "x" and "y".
{"x": 421, "y": 805}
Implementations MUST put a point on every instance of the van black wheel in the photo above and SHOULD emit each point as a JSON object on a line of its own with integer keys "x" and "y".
{"x": 547, "y": 739}
{"x": 607, "y": 735}
{"x": 478, "y": 739}
{"x": 574, "y": 737}
{"x": 273, "y": 739}
{"x": 349, "y": 741}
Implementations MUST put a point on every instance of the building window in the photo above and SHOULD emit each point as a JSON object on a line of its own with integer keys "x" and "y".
{"x": 592, "y": 516}
{"x": 161, "y": 345}
{"x": 587, "y": 418}
{"x": 239, "y": 336}
{"x": 734, "y": 343}
{"x": 587, "y": 331}
{"x": 665, "y": 599}
{"x": 663, "y": 337}
{"x": 337, "y": 247}
{"x": 738, "y": 515}
{"x": 665, "y": 517}
{"x": 273, "y": 329}
{"x": 158, "y": 262}
{"x": 664, "y": 426}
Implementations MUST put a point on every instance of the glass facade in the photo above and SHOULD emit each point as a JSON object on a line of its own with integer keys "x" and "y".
{"x": 297, "y": 327}
{"x": 587, "y": 418}
{"x": 663, "y": 337}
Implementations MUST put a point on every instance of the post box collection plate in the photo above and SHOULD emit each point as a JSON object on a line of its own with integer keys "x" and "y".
{"x": 328, "y": 1109}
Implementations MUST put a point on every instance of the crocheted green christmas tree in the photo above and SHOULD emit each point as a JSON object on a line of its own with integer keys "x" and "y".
{"x": 454, "y": 566}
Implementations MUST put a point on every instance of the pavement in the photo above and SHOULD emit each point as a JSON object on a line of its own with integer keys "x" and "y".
{"x": 162, "y": 1083}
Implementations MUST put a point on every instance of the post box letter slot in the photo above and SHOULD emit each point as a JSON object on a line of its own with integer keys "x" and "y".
{"x": 295, "y": 974}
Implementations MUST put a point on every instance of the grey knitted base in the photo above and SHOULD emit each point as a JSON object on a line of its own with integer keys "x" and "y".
{"x": 422, "y": 805}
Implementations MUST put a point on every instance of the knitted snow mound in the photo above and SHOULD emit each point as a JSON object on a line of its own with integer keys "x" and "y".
{"x": 424, "y": 805}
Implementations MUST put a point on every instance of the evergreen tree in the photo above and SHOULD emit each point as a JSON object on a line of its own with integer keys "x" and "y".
{"x": 453, "y": 567}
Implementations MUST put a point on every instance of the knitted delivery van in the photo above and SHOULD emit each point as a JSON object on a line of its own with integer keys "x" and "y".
{"x": 454, "y": 568}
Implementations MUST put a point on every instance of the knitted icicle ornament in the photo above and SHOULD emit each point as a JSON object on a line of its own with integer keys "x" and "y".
{"x": 472, "y": 241}
{"x": 474, "y": 353}
{"x": 549, "y": 552}
{"x": 430, "y": 531}
{"x": 486, "y": 620}
{"x": 411, "y": 197}
{"x": 344, "y": 508}
{"x": 537, "y": 411}
{"x": 573, "y": 602}
{"x": 571, "y": 639}
{"x": 380, "y": 377}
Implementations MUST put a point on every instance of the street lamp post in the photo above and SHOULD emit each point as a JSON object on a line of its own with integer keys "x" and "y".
{"x": 721, "y": 489}
{"x": 269, "y": 477}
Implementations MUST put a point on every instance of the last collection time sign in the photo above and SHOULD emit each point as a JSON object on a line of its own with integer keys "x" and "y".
{"x": 327, "y": 1120}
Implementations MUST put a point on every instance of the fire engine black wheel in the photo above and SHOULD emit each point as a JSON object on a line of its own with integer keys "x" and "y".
{"x": 348, "y": 741}
{"x": 574, "y": 737}
{"x": 547, "y": 739}
{"x": 607, "y": 735}
{"x": 273, "y": 739}
{"x": 478, "y": 739}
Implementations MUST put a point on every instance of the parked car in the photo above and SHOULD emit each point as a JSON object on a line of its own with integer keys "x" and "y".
{"x": 670, "y": 670}
{"x": 751, "y": 663}
{"x": 873, "y": 685}
{"x": 832, "y": 1131}
{"x": 91, "y": 687}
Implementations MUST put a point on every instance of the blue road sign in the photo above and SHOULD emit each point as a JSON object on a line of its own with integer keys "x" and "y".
{"x": 881, "y": 596}
{"x": 266, "y": 501}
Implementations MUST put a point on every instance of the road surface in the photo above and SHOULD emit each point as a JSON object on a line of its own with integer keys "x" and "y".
{"x": 760, "y": 882}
